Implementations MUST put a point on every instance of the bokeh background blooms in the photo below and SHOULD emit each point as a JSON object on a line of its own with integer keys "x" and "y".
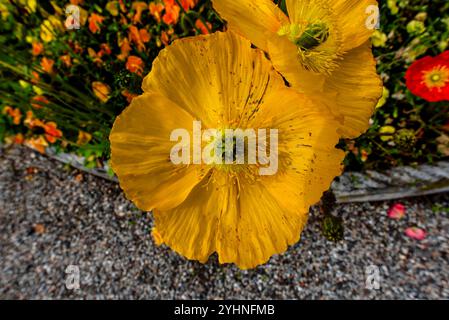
{"x": 63, "y": 88}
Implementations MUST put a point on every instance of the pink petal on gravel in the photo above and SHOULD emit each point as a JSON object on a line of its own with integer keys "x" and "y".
{"x": 396, "y": 211}
{"x": 416, "y": 233}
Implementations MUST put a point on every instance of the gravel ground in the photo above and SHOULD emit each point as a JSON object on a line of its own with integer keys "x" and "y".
{"x": 52, "y": 216}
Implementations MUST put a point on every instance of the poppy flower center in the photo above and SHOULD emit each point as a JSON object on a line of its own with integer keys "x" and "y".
{"x": 307, "y": 38}
{"x": 236, "y": 150}
{"x": 314, "y": 35}
{"x": 227, "y": 145}
{"x": 436, "y": 78}
{"x": 318, "y": 44}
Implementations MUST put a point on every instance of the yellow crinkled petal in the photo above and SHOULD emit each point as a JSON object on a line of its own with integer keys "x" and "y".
{"x": 304, "y": 11}
{"x": 356, "y": 20}
{"x": 214, "y": 77}
{"x": 265, "y": 226}
{"x": 274, "y": 210}
{"x": 140, "y": 153}
{"x": 358, "y": 88}
{"x": 255, "y": 20}
{"x": 246, "y": 221}
{"x": 308, "y": 160}
{"x": 284, "y": 56}
{"x": 190, "y": 229}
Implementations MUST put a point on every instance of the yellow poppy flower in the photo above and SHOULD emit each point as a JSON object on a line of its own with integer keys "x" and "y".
{"x": 230, "y": 209}
{"x": 322, "y": 48}
{"x": 4, "y": 13}
{"x": 50, "y": 28}
{"x": 29, "y": 5}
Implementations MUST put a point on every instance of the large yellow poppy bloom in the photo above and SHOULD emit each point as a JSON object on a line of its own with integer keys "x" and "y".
{"x": 230, "y": 209}
{"x": 322, "y": 48}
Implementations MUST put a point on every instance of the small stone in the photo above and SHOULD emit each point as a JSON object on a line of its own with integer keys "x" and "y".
{"x": 39, "y": 228}
{"x": 79, "y": 177}
{"x": 120, "y": 211}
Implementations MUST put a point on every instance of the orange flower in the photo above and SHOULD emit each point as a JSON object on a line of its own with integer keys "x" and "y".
{"x": 35, "y": 77}
{"x": 164, "y": 38}
{"x": 15, "y": 114}
{"x": 38, "y": 48}
{"x": 39, "y": 102}
{"x": 51, "y": 132}
{"x": 188, "y": 4}
{"x": 39, "y": 144}
{"x": 66, "y": 60}
{"x": 18, "y": 138}
{"x": 139, "y": 7}
{"x": 122, "y": 5}
{"x": 94, "y": 22}
{"x": 125, "y": 48}
{"x": 123, "y": 20}
{"x": 47, "y": 65}
{"x": 76, "y": 47}
{"x": 139, "y": 37}
{"x": 128, "y": 95}
{"x": 364, "y": 155}
{"x": 101, "y": 91}
{"x": 200, "y": 25}
{"x": 171, "y": 15}
{"x": 7, "y": 110}
{"x": 185, "y": 4}
{"x": 155, "y": 10}
{"x": 144, "y": 35}
{"x": 104, "y": 50}
{"x": 134, "y": 65}
{"x": 94, "y": 56}
{"x": 29, "y": 118}
{"x": 32, "y": 122}
{"x": 76, "y": 2}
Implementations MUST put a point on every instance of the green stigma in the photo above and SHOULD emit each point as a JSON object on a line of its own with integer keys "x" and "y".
{"x": 229, "y": 145}
{"x": 314, "y": 35}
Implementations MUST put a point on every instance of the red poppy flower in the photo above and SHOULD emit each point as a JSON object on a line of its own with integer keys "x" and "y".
{"x": 428, "y": 78}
